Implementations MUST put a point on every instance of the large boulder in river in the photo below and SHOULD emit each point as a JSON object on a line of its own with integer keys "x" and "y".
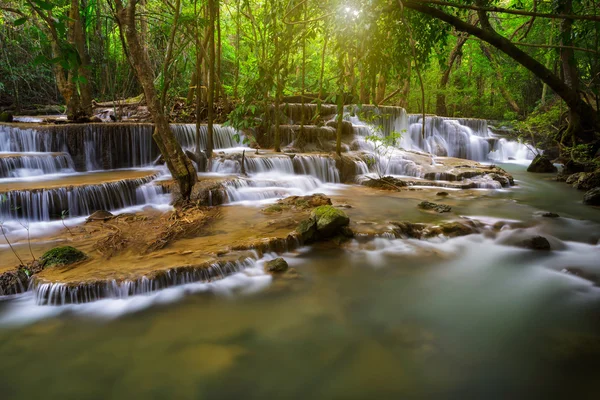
{"x": 324, "y": 222}
{"x": 62, "y": 256}
{"x": 592, "y": 197}
{"x": 541, "y": 164}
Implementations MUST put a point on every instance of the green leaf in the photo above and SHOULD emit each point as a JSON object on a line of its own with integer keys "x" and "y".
{"x": 20, "y": 21}
{"x": 44, "y": 5}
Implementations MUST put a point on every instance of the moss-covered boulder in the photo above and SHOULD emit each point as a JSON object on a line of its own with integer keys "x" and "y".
{"x": 541, "y": 164}
{"x": 276, "y": 266}
{"x": 329, "y": 220}
{"x": 324, "y": 222}
{"x": 6, "y": 117}
{"x": 62, "y": 256}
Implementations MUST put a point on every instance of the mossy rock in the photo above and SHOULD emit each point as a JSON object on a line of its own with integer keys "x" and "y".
{"x": 274, "y": 208}
{"x": 62, "y": 256}
{"x": 277, "y": 265}
{"x": 329, "y": 220}
{"x": 541, "y": 164}
{"x": 307, "y": 230}
{"x": 6, "y": 117}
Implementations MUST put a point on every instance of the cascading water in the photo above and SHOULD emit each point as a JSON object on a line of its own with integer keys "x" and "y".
{"x": 13, "y": 165}
{"x": 55, "y": 203}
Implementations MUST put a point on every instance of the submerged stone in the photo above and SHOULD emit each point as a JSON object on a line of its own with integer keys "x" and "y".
{"x": 62, "y": 256}
{"x": 550, "y": 215}
{"x": 277, "y": 265}
{"x": 440, "y": 208}
{"x": 541, "y": 164}
{"x": 536, "y": 243}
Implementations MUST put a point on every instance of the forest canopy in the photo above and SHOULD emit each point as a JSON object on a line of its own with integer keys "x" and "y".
{"x": 501, "y": 59}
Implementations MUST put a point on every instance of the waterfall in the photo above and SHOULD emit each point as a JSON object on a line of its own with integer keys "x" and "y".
{"x": 511, "y": 150}
{"x": 52, "y": 203}
{"x": 265, "y": 186}
{"x": 320, "y": 167}
{"x": 14, "y": 165}
{"x": 58, "y": 294}
{"x": 223, "y": 136}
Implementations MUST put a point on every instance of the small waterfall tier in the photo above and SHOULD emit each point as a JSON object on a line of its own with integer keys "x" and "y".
{"x": 106, "y": 145}
{"x": 13, "y": 165}
{"x": 320, "y": 166}
{"x": 74, "y": 195}
{"x": 466, "y": 138}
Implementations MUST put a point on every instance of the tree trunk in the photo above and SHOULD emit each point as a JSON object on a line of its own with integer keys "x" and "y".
{"x": 381, "y": 82}
{"x": 179, "y": 165}
{"x": 571, "y": 97}
{"x": 440, "y": 108}
{"x": 83, "y": 71}
{"x": 211, "y": 78}
{"x": 569, "y": 67}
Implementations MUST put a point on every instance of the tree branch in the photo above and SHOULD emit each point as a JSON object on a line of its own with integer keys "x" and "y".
{"x": 508, "y": 11}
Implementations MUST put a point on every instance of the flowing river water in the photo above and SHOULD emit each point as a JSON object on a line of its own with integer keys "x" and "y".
{"x": 467, "y": 317}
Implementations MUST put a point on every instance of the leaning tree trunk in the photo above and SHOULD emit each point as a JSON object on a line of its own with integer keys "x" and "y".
{"x": 179, "y": 165}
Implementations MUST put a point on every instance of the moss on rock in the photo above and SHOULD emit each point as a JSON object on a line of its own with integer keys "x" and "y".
{"x": 62, "y": 256}
{"x": 329, "y": 220}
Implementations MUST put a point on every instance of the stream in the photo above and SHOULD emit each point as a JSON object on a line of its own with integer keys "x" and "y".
{"x": 443, "y": 318}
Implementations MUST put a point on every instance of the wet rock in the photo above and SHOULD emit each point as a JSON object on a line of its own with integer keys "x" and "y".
{"x": 405, "y": 229}
{"x": 588, "y": 181}
{"x": 6, "y": 117}
{"x": 343, "y": 205}
{"x": 386, "y": 183}
{"x": 100, "y": 215}
{"x": 17, "y": 280}
{"x": 571, "y": 167}
{"x": 541, "y": 164}
{"x": 305, "y": 202}
{"x": 442, "y": 194}
{"x": 329, "y": 220}
{"x": 63, "y": 255}
{"x": 536, "y": 243}
{"x": 455, "y": 228}
{"x": 324, "y": 222}
{"x": 592, "y": 197}
{"x": 307, "y": 230}
{"x": 573, "y": 178}
{"x": 277, "y": 265}
{"x": 550, "y": 215}
{"x": 440, "y": 208}
{"x": 95, "y": 119}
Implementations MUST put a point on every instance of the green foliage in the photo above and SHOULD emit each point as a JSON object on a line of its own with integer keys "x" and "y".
{"x": 62, "y": 256}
